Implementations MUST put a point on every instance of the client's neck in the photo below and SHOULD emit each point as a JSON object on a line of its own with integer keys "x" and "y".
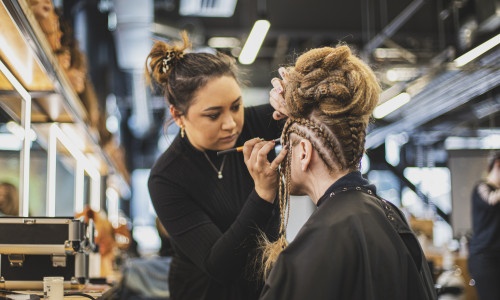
{"x": 319, "y": 180}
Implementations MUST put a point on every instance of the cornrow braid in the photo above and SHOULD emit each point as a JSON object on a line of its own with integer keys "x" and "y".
{"x": 328, "y": 139}
{"x": 357, "y": 132}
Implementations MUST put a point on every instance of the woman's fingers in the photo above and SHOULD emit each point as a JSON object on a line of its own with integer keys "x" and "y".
{"x": 248, "y": 148}
{"x": 263, "y": 152}
{"x": 277, "y": 101}
{"x": 278, "y": 116}
{"x": 277, "y": 84}
{"x": 279, "y": 159}
{"x": 284, "y": 74}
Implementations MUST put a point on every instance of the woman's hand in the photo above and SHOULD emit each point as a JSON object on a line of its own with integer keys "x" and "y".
{"x": 263, "y": 172}
{"x": 276, "y": 95}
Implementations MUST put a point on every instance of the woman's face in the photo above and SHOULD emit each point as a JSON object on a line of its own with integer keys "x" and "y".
{"x": 41, "y": 8}
{"x": 3, "y": 196}
{"x": 215, "y": 118}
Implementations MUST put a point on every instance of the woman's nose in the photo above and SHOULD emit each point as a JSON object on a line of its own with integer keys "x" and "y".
{"x": 228, "y": 123}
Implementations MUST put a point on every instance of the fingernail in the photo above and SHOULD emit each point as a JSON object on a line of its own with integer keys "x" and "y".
{"x": 283, "y": 103}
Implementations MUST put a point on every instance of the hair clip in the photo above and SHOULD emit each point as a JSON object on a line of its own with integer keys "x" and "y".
{"x": 165, "y": 65}
{"x": 170, "y": 57}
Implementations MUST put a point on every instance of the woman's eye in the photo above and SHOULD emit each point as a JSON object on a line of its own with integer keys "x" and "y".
{"x": 213, "y": 116}
{"x": 236, "y": 107}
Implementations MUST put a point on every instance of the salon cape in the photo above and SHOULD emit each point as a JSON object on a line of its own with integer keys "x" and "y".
{"x": 354, "y": 246}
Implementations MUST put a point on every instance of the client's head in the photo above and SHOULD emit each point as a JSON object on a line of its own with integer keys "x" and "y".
{"x": 330, "y": 95}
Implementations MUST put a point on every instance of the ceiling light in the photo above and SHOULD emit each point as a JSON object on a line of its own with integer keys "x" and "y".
{"x": 391, "y": 105}
{"x": 383, "y": 53}
{"x": 479, "y": 50}
{"x": 254, "y": 41}
{"x": 202, "y": 8}
{"x": 223, "y": 42}
{"x": 401, "y": 74}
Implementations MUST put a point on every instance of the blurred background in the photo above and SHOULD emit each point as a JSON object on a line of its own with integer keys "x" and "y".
{"x": 438, "y": 62}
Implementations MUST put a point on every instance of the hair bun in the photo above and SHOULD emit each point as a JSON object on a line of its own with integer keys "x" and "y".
{"x": 332, "y": 82}
{"x": 163, "y": 57}
{"x": 336, "y": 57}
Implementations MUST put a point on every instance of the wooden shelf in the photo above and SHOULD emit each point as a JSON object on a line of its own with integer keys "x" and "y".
{"x": 30, "y": 59}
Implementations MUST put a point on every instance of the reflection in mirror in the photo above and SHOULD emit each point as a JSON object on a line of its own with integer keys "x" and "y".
{"x": 10, "y": 146}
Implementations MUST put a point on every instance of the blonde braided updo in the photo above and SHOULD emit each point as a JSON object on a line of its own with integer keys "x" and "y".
{"x": 330, "y": 95}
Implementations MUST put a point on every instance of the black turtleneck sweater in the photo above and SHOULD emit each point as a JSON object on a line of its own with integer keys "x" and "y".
{"x": 213, "y": 222}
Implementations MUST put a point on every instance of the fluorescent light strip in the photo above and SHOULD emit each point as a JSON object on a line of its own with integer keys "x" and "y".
{"x": 254, "y": 41}
{"x": 391, "y": 105}
{"x": 25, "y": 150}
{"x": 476, "y": 52}
{"x": 82, "y": 164}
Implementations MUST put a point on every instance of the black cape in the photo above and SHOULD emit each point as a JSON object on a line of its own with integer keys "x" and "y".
{"x": 354, "y": 246}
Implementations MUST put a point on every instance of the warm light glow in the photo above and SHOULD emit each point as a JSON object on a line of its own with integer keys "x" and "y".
{"x": 476, "y": 52}
{"x": 254, "y": 41}
{"x": 74, "y": 136}
{"x": 23, "y": 67}
{"x": 391, "y": 105}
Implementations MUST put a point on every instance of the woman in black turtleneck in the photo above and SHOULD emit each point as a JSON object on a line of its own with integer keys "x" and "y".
{"x": 210, "y": 206}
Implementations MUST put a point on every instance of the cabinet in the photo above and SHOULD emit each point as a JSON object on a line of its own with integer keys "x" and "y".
{"x": 35, "y": 94}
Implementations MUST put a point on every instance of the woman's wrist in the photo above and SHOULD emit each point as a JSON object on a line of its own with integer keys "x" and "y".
{"x": 266, "y": 194}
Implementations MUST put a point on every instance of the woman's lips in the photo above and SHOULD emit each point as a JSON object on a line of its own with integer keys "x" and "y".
{"x": 229, "y": 138}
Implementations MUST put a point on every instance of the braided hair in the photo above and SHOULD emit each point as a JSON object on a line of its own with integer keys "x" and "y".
{"x": 330, "y": 95}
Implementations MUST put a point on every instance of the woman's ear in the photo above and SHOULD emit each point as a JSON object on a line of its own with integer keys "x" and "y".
{"x": 176, "y": 114}
{"x": 305, "y": 154}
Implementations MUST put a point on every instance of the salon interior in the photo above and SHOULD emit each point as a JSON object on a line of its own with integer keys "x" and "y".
{"x": 80, "y": 129}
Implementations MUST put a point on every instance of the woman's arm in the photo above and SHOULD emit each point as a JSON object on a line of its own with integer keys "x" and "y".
{"x": 221, "y": 255}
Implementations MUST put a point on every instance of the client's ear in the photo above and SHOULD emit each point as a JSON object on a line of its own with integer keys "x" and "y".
{"x": 305, "y": 153}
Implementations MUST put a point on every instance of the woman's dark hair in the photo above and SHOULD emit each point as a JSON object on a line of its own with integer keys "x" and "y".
{"x": 181, "y": 74}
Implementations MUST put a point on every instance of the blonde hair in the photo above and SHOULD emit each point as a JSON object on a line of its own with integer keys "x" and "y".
{"x": 330, "y": 96}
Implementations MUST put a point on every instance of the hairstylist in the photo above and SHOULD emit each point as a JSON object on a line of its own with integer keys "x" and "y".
{"x": 210, "y": 205}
